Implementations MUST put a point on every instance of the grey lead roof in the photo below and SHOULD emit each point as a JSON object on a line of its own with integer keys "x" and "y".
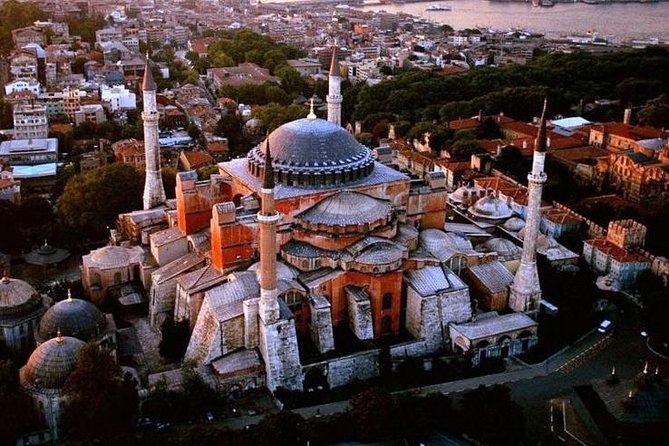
{"x": 346, "y": 209}
{"x": 432, "y": 280}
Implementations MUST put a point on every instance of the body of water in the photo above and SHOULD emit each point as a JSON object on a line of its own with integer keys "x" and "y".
{"x": 617, "y": 21}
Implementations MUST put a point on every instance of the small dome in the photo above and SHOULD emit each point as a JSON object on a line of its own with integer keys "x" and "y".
{"x": 253, "y": 123}
{"x": 434, "y": 239}
{"x": 505, "y": 249}
{"x": 52, "y": 362}
{"x": 348, "y": 209}
{"x": 311, "y": 153}
{"x": 17, "y": 298}
{"x": 462, "y": 192}
{"x": 491, "y": 207}
{"x": 111, "y": 256}
{"x": 73, "y": 317}
{"x": 514, "y": 224}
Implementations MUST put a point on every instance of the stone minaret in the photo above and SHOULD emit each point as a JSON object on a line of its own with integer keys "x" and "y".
{"x": 334, "y": 97}
{"x": 268, "y": 219}
{"x": 154, "y": 193}
{"x": 276, "y": 327}
{"x": 525, "y": 291}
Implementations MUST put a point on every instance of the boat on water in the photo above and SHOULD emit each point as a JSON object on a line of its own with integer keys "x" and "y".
{"x": 543, "y": 3}
{"x": 437, "y": 7}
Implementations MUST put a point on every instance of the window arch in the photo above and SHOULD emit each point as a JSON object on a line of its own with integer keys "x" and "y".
{"x": 387, "y": 301}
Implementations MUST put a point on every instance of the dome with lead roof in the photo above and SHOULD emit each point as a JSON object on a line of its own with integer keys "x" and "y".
{"x": 491, "y": 207}
{"x": 52, "y": 362}
{"x": 17, "y": 298}
{"x": 312, "y": 152}
{"x": 514, "y": 224}
{"x": 72, "y": 317}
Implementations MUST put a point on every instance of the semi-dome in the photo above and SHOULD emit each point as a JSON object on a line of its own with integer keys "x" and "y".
{"x": 347, "y": 208}
{"x": 52, "y": 362}
{"x": 312, "y": 152}
{"x": 17, "y": 298}
{"x": 283, "y": 271}
{"x": 491, "y": 207}
{"x": 73, "y": 317}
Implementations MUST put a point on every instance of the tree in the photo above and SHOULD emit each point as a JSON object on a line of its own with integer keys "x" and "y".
{"x": 91, "y": 201}
{"x": 102, "y": 401}
{"x": 174, "y": 340}
{"x": 492, "y": 417}
{"x": 512, "y": 161}
{"x": 20, "y": 415}
{"x": 291, "y": 81}
{"x": 273, "y": 115}
{"x": 465, "y": 148}
{"x": 656, "y": 112}
{"x": 371, "y": 411}
{"x": 281, "y": 429}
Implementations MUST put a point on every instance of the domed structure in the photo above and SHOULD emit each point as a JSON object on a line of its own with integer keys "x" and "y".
{"x": 505, "y": 249}
{"x": 491, "y": 207}
{"x": 434, "y": 239}
{"x": 463, "y": 194}
{"x": 347, "y": 209}
{"x": 52, "y": 362}
{"x": 72, "y": 317}
{"x": 110, "y": 256}
{"x": 20, "y": 309}
{"x": 312, "y": 152}
{"x": 514, "y": 224}
{"x": 17, "y": 298}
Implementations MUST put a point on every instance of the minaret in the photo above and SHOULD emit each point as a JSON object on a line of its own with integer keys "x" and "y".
{"x": 268, "y": 219}
{"x": 334, "y": 97}
{"x": 277, "y": 337}
{"x": 154, "y": 193}
{"x": 525, "y": 290}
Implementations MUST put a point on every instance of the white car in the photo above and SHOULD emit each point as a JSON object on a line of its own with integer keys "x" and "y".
{"x": 605, "y": 326}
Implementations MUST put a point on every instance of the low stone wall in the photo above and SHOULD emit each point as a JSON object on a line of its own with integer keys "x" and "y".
{"x": 341, "y": 371}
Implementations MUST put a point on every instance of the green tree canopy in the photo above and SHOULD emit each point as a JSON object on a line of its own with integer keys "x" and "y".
{"x": 102, "y": 400}
{"x": 92, "y": 200}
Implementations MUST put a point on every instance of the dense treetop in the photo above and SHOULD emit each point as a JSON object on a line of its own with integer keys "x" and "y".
{"x": 631, "y": 76}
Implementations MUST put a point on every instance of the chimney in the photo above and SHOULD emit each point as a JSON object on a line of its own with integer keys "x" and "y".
{"x": 627, "y": 117}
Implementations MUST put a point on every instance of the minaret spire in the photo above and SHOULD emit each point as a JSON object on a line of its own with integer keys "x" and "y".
{"x": 154, "y": 193}
{"x": 334, "y": 98}
{"x": 268, "y": 219}
{"x": 525, "y": 291}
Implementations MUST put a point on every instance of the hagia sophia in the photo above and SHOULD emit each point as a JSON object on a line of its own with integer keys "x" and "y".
{"x": 285, "y": 258}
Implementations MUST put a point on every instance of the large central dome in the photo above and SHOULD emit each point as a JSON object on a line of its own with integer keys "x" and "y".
{"x": 312, "y": 153}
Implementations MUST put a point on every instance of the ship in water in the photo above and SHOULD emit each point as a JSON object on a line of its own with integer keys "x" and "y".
{"x": 543, "y": 3}
{"x": 438, "y": 7}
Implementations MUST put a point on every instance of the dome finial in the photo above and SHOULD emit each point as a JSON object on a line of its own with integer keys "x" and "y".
{"x": 5, "y": 276}
{"x": 69, "y": 295}
{"x": 311, "y": 114}
{"x": 59, "y": 337}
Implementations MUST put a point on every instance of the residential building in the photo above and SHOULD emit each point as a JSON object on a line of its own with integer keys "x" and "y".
{"x": 30, "y": 121}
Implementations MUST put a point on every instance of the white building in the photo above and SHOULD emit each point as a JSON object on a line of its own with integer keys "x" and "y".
{"x": 118, "y": 97}
{"x": 22, "y": 85}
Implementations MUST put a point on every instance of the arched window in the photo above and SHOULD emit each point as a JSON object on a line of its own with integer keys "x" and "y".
{"x": 386, "y": 325}
{"x": 387, "y": 301}
{"x": 117, "y": 278}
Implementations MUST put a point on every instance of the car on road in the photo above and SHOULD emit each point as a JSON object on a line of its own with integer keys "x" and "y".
{"x": 605, "y": 326}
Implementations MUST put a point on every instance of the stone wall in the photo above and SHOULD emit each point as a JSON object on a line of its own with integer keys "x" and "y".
{"x": 343, "y": 370}
{"x": 278, "y": 346}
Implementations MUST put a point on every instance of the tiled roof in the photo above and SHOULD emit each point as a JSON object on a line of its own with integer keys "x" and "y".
{"x": 432, "y": 280}
{"x": 493, "y": 326}
{"x": 493, "y": 275}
